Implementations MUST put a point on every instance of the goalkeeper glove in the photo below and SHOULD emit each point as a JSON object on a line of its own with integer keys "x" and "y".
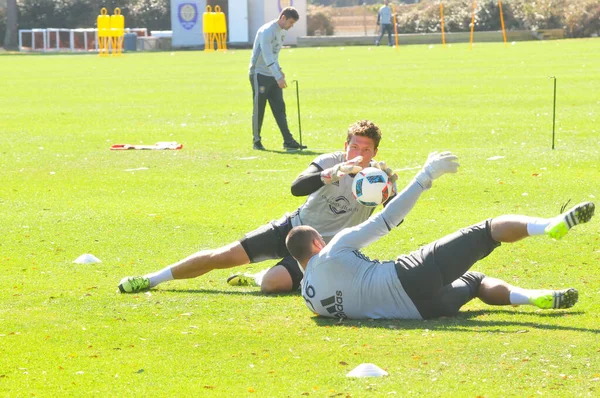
{"x": 393, "y": 177}
{"x": 333, "y": 174}
{"x": 437, "y": 164}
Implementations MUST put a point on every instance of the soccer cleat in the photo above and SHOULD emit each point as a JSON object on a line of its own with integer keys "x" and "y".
{"x": 579, "y": 214}
{"x": 134, "y": 284}
{"x": 293, "y": 145}
{"x": 241, "y": 280}
{"x": 258, "y": 146}
{"x": 557, "y": 299}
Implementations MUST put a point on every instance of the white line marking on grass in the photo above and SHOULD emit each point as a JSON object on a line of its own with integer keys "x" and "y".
{"x": 139, "y": 168}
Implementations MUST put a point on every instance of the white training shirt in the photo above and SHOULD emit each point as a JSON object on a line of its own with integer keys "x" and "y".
{"x": 265, "y": 52}
{"x": 341, "y": 282}
{"x": 332, "y": 207}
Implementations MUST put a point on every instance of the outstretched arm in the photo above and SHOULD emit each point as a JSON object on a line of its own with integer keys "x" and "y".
{"x": 379, "y": 224}
{"x": 314, "y": 177}
{"x": 308, "y": 181}
{"x": 437, "y": 165}
{"x": 392, "y": 215}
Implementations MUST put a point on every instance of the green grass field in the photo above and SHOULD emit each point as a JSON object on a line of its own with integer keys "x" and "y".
{"x": 64, "y": 331}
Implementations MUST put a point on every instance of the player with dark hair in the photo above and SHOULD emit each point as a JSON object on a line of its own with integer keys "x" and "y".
{"x": 267, "y": 78}
{"x": 433, "y": 281}
{"x": 329, "y": 208}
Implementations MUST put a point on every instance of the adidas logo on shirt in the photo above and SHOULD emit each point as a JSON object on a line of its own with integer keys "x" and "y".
{"x": 335, "y": 305}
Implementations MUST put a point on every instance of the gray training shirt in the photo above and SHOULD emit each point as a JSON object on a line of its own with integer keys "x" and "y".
{"x": 385, "y": 15}
{"x": 265, "y": 53}
{"x": 332, "y": 207}
{"x": 341, "y": 282}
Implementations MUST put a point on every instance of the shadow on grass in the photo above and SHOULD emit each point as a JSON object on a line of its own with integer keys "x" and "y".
{"x": 230, "y": 292}
{"x": 304, "y": 152}
{"x": 468, "y": 321}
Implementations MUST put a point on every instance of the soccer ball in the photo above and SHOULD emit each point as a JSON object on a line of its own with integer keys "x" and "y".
{"x": 371, "y": 187}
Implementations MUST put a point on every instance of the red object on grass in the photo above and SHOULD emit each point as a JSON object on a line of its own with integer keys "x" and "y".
{"x": 157, "y": 146}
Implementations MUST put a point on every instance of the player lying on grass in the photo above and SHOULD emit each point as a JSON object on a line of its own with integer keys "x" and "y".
{"x": 329, "y": 208}
{"x": 433, "y": 281}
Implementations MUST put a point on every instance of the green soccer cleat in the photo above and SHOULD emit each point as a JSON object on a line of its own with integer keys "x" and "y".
{"x": 579, "y": 214}
{"x": 241, "y": 280}
{"x": 557, "y": 299}
{"x": 134, "y": 284}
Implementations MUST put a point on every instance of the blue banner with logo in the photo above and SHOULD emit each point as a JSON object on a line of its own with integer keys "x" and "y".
{"x": 186, "y": 22}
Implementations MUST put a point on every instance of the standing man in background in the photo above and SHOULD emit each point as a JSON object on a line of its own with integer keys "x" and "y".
{"x": 384, "y": 18}
{"x": 267, "y": 78}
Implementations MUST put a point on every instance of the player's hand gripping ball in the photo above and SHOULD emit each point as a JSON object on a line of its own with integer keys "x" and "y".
{"x": 371, "y": 186}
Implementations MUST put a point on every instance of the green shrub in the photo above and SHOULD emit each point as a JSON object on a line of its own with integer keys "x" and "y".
{"x": 319, "y": 23}
{"x": 579, "y": 18}
{"x": 582, "y": 20}
{"x": 70, "y": 14}
{"x": 150, "y": 14}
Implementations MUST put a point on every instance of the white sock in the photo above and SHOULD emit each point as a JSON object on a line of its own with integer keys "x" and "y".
{"x": 537, "y": 226}
{"x": 519, "y": 296}
{"x": 161, "y": 276}
{"x": 258, "y": 278}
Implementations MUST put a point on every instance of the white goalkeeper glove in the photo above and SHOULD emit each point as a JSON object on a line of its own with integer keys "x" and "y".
{"x": 393, "y": 177}
{"x": 336, "y": 172}
{"x": 437, "y": 164}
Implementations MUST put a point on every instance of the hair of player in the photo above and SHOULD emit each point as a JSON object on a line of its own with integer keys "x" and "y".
{"x": 364, "y": 128}
{"x": 290, "y": 12}
{"x": 299, "y": 242}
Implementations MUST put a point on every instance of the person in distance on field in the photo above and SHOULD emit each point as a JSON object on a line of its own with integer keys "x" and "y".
{"x": 433, "y": 281}
{"x": 267, "y": 79}
{"x": 385, "y": 20}
{"x": 329, "y": 208}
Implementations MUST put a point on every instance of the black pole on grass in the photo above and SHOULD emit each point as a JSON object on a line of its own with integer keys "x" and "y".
{"x": 298, "y": 104}
{"x": 553, "y": 110}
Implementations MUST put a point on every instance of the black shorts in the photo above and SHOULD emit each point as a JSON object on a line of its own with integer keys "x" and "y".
{"x": 268, "y": 242}
{"x": 436, "y": 276}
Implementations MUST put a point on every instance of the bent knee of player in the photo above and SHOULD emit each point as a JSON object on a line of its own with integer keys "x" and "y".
{"x": 494, "y": 291}
{"x": 276, "y": 280}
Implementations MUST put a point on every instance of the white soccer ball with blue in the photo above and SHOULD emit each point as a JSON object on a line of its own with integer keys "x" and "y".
{"x": 371, "y": 186}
